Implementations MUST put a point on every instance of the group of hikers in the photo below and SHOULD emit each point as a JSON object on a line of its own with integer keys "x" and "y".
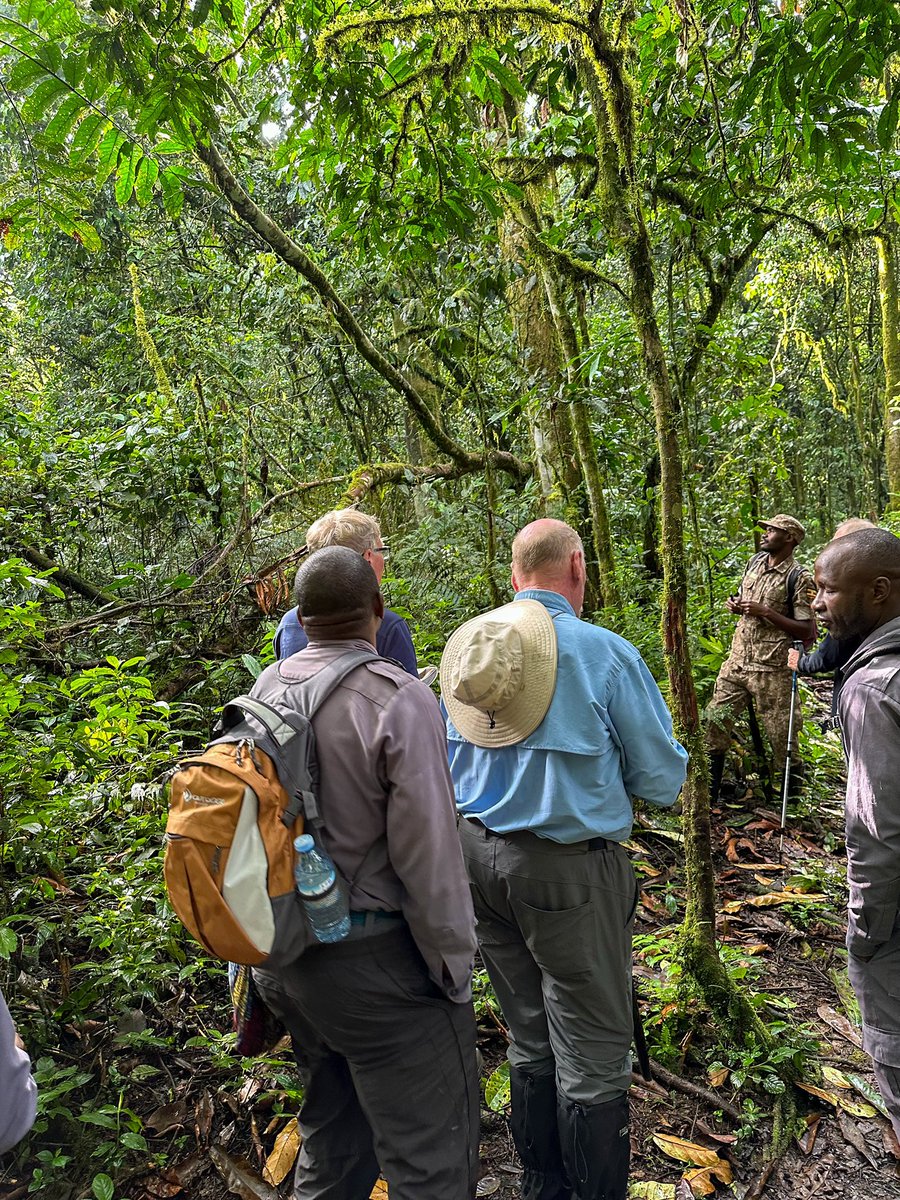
{"x": 496, "y": 819}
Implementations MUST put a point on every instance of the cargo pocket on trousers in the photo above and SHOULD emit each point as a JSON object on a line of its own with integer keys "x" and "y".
{"x": 561, "y": 941}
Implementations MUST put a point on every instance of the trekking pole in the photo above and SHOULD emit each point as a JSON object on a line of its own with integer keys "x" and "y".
{"x": 787, "y": 764}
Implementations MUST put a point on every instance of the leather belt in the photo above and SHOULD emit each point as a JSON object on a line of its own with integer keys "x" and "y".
{"x": 595, "y": 843}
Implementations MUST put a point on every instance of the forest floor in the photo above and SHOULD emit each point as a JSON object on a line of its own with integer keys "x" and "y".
{"x": 215, "y": 1125}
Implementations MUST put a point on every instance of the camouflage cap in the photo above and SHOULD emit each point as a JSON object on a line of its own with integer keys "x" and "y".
{"x": 786, "y": 524}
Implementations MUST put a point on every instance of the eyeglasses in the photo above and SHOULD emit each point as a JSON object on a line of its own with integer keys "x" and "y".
{"x": 384, "y": 551}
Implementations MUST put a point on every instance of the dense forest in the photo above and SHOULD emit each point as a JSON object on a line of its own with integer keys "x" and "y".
{"x": 462, "y": 265}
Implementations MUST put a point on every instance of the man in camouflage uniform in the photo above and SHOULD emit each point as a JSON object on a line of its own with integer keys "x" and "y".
{"x": 756, "y": 669}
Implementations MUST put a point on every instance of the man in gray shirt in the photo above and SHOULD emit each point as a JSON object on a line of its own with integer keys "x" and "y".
{"x": 18, "y": 1093}
{"x": 382, "y": 1023}
{"x": 858, "y": 582}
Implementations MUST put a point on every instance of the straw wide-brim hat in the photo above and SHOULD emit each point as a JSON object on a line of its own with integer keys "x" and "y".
{"x": 498, "y": 673}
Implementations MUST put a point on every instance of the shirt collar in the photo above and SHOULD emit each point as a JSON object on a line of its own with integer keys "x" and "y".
{"x": 550, "y": 600}
{"x": 781, "y": 568}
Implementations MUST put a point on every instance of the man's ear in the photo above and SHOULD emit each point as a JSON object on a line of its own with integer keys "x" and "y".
{"x": 576, "y": 565}
{"x": 881, "y": 589}
{"x": 516, "y": 587}
{"x": 299, "y": 616}
{"x": 378, "y": 606}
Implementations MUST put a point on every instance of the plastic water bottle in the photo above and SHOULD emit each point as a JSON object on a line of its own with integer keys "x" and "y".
{"x": 318, "y": 886}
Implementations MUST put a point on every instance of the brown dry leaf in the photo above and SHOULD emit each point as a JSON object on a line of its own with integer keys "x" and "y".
{"x": 836, "y": 1078}
{"x": 379, "y": 1191}
{"x": 651, "y": 1189}
{"x": 284, "y": 1153}
{"x": 257, "y": 1140}
{"x": 189, "y": 1170}
{"x": 159, "y": 1188}
{"x": 808, "y": 1139}
{"x": 686, "y": 1152}
{"x": 734, "y": 846}
{"x": 772, "y": 898}
{"x": 239, "y": 1178}
{"x": 754, "y": 948}
{"x": 763, "y": 866}
{"x": 699, "y": 1181}
{"x": 647, "y": 869}
{"x": 854, "y": 1136}
{"x": 652, "y": 904}
{"x": 724, "y": 1139}
{"x": 169, "y": 1116}
{"x": 684, "y": 1190}
{"x": 249, "y": 1090}
{"x": 889, "y": 1140}
{"x": 839, "y": 1023}
{"x": 486, "y": 1186}
{"x": 717, "y": 1078}
{"x": 828, "y": 1097}
{"x": 732, "y": 906}
{"x": 203, "y": 1117}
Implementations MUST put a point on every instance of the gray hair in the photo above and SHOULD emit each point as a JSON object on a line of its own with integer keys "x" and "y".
{"x": 344, "y": 527}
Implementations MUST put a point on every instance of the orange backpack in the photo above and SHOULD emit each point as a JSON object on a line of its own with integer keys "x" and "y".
{"x": 234, "y": 811}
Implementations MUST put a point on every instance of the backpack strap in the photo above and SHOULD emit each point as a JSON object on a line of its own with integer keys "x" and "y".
{"x": 270, "y": 718}
{"x": 789, "y": 584}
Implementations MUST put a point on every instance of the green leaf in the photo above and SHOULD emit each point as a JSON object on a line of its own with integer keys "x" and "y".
{"x": 8, "y": 941}
{"x": 109, "y": 154}
{"x": 887, "y": 121}
{"x": 126, "y": 173}
{"x": 496, "y": 1089}
{"x": 87, "y": 135}
{"x": 504, "y": 76}
{"x": 24, "y": 73}
{"x": 87, "y": 235}
{"x": 42, "y": 99}
{"x": 253, "y": 665}
{"x": 59, "y": 128}
{"x": 173, "y": 195}
{"x": 102, "y": 1188}
{"x": 134, "y": 1141}
{"x": 169, "y": 146}
{"x": 147, "y": 174}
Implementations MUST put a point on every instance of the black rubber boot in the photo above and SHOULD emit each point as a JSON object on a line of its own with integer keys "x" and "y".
{"x": 596, "y": 1148}
{"x": 716, "y": 771}
{"x": 533, "y": 1124}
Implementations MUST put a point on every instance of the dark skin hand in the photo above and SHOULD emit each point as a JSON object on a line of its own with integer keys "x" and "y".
{"x": 779, "y": 546}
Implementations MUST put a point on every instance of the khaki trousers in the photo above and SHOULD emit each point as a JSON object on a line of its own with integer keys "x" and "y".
{"x": 770, "y": 692}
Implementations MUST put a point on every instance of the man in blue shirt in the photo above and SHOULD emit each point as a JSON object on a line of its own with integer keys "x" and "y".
{"x": 553, "y": 725}
{"x": 360, "y": 532}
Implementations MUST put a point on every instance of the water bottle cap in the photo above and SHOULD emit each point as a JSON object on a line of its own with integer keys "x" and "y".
{"x": 304, "y": 843}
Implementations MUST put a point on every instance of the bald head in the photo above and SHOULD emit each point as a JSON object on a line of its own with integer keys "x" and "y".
{"x": 548, "y": 554}
{"x": 858, "y": 581}
{"x": 337, "y": 596}
{"x": 852, "y": 525}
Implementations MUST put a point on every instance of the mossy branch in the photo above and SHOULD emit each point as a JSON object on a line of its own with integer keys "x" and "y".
{"x": 458, "y": 23}
{"x": 375, "y": 475}
{"x": 298, "y": 260}
{"x": 144, "y": 336}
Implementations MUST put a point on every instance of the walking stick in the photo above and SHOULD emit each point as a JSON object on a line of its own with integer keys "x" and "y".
{"x": 787, "y": 764}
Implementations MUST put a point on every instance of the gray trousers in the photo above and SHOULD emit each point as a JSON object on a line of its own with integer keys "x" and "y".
{"x": 554, "y": 929}
{"x": 876, "y": 983}
{"x": 389, "y": 1073}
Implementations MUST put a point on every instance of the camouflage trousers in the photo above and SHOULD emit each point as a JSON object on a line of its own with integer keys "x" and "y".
{"x": 770, "y": 692}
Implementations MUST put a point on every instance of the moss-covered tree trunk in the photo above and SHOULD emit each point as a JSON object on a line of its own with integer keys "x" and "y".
{"x": 890, "y": 350}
